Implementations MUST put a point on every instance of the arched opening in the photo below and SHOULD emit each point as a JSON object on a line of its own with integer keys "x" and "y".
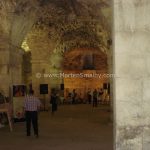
{"x": 85, "y": 68}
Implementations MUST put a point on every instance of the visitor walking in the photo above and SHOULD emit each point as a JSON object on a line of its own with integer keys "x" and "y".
{"x": 89, "y": 96}
{"x": 74, "y": 96}
{"x": 54, "y": 100}
{"x": 95, "y": 98}
{"x": 31, "y": 106}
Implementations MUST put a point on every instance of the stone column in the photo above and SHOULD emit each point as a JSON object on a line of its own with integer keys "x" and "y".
{"x": 39, "y": 68}
{"x": 10, "y": 67}
{"x": 4, "y": 69}
{"x": 132, "y": 68}
{"x": 15, "y": 65}
{"x": 56, "y": 61}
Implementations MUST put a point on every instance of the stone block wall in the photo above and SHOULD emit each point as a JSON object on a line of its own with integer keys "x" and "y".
{"x": 131, "y": 66}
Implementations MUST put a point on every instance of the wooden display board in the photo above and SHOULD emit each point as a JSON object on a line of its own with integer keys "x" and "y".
{"x": 18, "y": 102}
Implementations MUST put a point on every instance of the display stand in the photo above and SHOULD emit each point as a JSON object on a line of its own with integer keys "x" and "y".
{"x": 6, "y": 108}
{"x": 18, "y": 102}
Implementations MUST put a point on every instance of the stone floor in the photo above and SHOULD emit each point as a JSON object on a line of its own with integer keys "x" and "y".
{"x": 73, "y": 127}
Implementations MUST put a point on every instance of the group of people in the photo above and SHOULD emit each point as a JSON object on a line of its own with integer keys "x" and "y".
{"x": 95, "y": 96}
{"x": 91, "y": 97}
{"x": 72, "y": 97}
{"x": 32, "y": 106}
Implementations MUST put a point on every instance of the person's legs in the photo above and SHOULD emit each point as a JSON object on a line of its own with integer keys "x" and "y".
{"x": 53, "y": 109}
{"x": 28, "y": 123}
{"x": 72, "y": 100}
{"x": 35, "y": 122}
{"x": 89, "y": 99}
{"x": 93, "y": 103}
{"x": 96, "y": 103}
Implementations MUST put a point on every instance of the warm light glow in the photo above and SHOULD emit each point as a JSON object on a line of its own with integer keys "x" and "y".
{"x": 25, "y": 45}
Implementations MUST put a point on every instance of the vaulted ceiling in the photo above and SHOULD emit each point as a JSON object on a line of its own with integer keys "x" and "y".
{"x": 79, "y": 59}
{"x": 56, "y": 25}
{"x": 82, "y": 23}
{"x": 75, "y": 23}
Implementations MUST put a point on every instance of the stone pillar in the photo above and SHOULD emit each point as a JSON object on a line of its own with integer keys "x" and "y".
{"x": 15, "y": 65}
{"x": 39, "y": 68}
{"x": 132, "y": 68}
{"x": 10, "y": 67}
{"x": 56, "y": 61}
{"x": 4, "y": 71}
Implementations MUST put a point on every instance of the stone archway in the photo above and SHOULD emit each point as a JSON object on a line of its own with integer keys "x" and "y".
{"x": 22, "y": 16}
{"x": 85, "y": 65}
{"x": 57, "y": 34}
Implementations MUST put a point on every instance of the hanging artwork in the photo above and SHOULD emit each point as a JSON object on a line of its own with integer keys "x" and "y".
{"x": 19, "y": 90}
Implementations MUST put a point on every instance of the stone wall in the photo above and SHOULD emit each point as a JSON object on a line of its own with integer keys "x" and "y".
{"x": 4, "y": 71}
{"x": 132, "y": 84}
{"x": 42, "y": 59}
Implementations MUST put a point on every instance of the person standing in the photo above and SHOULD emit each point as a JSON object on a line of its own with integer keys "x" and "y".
{"x": 101, "y": 94}
{"x": 31, "y": 106}
{"x": 54, "y": 100}
{"x": 95, "y": 98}
{"x": 89, "y": 96}
{"x": 74, "y": 95}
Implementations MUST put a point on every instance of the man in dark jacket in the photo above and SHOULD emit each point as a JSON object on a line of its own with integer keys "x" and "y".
{"x": 95, "y": 98}
{"x": 54, "y": 100}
